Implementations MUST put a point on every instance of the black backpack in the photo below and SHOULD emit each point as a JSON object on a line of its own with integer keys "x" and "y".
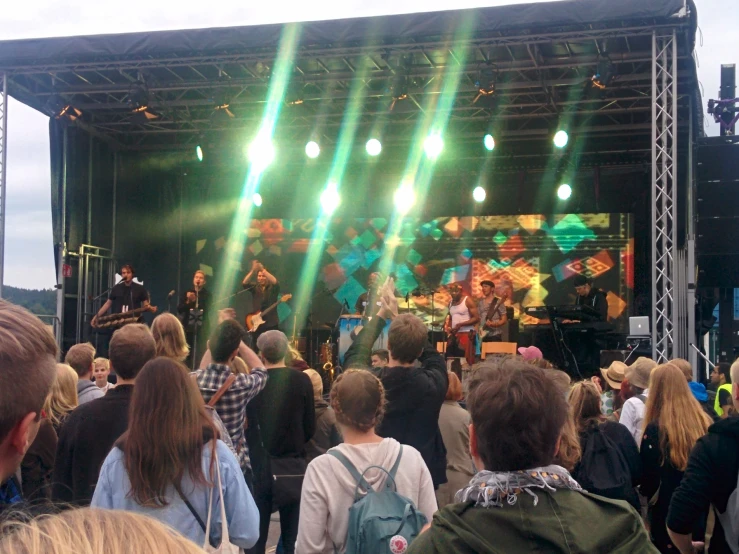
{"x": 603, "y": 469}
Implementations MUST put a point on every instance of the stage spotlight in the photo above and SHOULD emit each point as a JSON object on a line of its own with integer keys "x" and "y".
{"x": 433, "y": 145}
{"x": 330, "y": 199}
{"x": 256, "y": 199}
{"x": 373, "y": 147}
{"x": 261, "y": 152}
{"x": 489, "y": 142}
{"x": 564, "y": 192}
{"x": 487, "y": 78}
{"x": 479, "y": 194}
{"x": 138, "y": 100}
{"x": 561, "y": 138}
{"x": 605, "y": 71}
{"x": 312, "y": 150}
{"x": 404, "y": 198}
{"x": 199, "y": 152}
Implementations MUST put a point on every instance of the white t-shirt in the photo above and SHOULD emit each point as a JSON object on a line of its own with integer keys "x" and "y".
{"x": 632, "y": 416}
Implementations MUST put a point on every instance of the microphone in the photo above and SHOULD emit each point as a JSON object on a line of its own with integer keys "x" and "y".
{"x": 171, "y": 294}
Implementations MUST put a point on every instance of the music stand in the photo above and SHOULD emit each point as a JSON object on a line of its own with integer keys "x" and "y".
{"x": 194, "y": 318}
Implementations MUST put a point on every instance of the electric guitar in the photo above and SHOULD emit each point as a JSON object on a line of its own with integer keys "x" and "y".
{"x": 481, "y": 331}
{"x": 255, "y": 319}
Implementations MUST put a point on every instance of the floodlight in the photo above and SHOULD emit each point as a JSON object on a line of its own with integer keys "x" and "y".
{"x": 564, "y": 192}
{"x": 489, "y": 142}
{"x": 373, "y": 147}
{"x": 256, "y": 199}
{"x": 433, "y": 145}
{"x": 312, "y": 150}
{"x": 330, "y": 199}
{"x": 561, "y": 138}
{"x": 199, "y": 153}
{"x": 479, "y": 194}
{"x": 261, "y": 152}
{"x": 404, "y": 198}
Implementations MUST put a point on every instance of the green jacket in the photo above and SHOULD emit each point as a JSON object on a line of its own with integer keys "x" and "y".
{"x": 563, "y": 521}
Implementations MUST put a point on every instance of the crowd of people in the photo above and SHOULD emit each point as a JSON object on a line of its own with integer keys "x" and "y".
{"x": 399, "y": 453}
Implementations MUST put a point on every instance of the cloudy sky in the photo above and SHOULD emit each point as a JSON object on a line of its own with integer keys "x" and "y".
{"x": 29, "y": 257}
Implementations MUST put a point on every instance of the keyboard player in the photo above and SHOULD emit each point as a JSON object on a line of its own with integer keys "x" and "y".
{"x": 588, "y": 295}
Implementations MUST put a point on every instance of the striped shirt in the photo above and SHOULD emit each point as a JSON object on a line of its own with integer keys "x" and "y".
{"x": 231, "y": 407}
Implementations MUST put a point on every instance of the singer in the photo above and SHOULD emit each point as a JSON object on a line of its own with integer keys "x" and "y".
{"x": 124, "y": 296}
{"x": 264, "y": 294}
{"x": 193, "y": 311}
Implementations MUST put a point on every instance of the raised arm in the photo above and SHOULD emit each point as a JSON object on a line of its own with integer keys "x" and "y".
{"x": 270, "y": 278}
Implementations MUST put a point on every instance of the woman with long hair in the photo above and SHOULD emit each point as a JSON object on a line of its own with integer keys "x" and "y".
{"x": 164, "y": 466}
{"x": 606, "y": 446}
{"x": 673, "y": 422}
{"x": 169, "y": 336}
{"x": 63, "y": 397}
{"x": 358, "y": 399}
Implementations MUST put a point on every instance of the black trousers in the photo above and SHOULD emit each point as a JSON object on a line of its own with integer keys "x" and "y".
{"x": 289, "y": 517}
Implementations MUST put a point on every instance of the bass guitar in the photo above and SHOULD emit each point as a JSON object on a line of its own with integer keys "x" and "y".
{"x": 482, "y": 332}
{"x": 255, "y": 319}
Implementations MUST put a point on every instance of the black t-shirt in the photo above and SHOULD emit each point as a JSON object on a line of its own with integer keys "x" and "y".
{"x": 263, "y": 298}
{"x": 129, "y": 297}
{"x": 202, "y": 303}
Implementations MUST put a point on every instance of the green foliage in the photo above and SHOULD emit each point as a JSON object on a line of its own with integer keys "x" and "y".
{"x": 39, "y": 302}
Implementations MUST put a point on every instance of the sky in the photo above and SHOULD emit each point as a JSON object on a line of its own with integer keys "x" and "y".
{"x": 29, "y": 258}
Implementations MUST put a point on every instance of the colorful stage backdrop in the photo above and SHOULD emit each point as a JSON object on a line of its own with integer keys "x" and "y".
{"x": 531, "y": 257}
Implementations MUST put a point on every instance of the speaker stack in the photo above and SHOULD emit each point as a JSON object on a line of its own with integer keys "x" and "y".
{"x": 717, "y": 210}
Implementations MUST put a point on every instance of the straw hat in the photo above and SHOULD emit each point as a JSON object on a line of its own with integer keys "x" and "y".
{"x": 614, "y": 374}
{"x": 638, "y": 373}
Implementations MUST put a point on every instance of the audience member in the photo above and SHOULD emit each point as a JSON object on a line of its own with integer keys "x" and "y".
{"x": 170, "y": 460}
{"x": 169, "y": 337}
{"x": 327, "y": 433}
{"x": 632, "y": 412}
{"x": 91, "y": 430}
{"x": 380, "y": 358}
{"x": 673, "y": 423}
{"x": 610, "y": 465}
{"x": 294, "y": 359}
{"x": 89, "y": 531}
{"x": 100, "y": 372}
{"x": 519, "y": 501}
{"x": 284, "y": 416}
{"x": 415, "y": 382}
{"x": 454, "y": 424}
{"x": 38, "y": 463}
{"x": 329, "y": 489}
{"x": 81, "y": 357}
{"x": 28, "y": 354}
{"x": 721, "y": 381}
{"x": 225, "y": 344}
{"x": 609, "y": 384}
{"x": 63, "y": 398}
{"x": 698, "y": 389}
{"x": 530, "y": 353}
{"x": 709, "y": 480}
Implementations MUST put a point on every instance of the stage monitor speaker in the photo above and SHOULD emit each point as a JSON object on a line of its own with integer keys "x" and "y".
{"x": 717, "y": 221}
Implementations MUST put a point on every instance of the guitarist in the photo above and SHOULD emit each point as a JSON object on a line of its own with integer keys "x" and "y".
{"x": 492, "y": 314}
{"x": 264, "y": 293}
{"x": 124, "y": 297}
{"x": 460, "y": 325}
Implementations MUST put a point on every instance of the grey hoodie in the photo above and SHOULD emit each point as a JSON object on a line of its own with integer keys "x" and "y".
{"x": 88, "y": 390}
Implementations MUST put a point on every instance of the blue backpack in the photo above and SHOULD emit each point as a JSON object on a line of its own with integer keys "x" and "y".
{"x": 380, "y": 522}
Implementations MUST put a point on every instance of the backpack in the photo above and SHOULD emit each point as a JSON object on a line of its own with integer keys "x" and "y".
{"x": 603, "y": 470}
{"x": 730, "y": 520}
{"x": 380, "y": 522}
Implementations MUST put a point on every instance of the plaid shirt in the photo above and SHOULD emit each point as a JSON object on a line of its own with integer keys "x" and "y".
{"x": 232, "y": 405}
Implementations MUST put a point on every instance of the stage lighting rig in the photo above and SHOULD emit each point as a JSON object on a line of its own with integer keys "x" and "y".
{"x": 487, "y": 78}
{"x": 222, "y": 109}
{"x": 605, "y": 71}
{"x": 312, "y": 150}
{"x": 373, "y": 147}
{"x": 479, "y": 194}
{"x": 489, "y": 142}
{"x": 564, "y": 191}
{"x": 401, "y": 80}
{"x": 561, "y": 138}
{"x": 61, "y": 109}
{"x": 138, "y": 100}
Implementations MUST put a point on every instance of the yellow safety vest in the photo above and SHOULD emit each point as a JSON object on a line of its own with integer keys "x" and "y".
{"x": 716, "y": 404}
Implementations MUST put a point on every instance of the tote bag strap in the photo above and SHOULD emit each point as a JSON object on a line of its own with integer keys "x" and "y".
{"x": 206, "y": 545}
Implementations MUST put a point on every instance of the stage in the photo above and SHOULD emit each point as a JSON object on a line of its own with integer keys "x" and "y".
{"x": 128, "y": 187}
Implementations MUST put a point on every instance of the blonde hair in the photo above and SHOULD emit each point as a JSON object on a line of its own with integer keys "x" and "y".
{"x": 316, "y": 381}
{"x": 169, "y": 337}
{"x": 454, "y": 390}
{"x": 292, "y": 355}
{"x": 93, "y": 531}
{"x": 239, "y": 366}
{"x": 584, "y": 400}
{"x": 63, "y": 397}
{"x": 684, "y": 366}
{"x": 104, "y": 361}
{"x": 570, "y": 449}
{"x": 681, "y": 419}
